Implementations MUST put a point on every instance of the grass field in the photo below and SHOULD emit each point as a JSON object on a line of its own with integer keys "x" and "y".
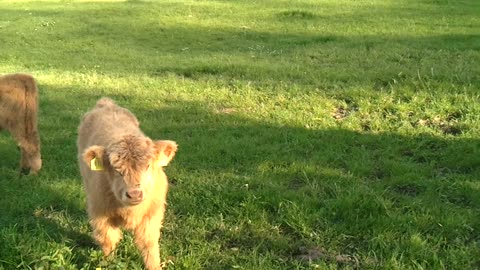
{"x": 313, "y": 134}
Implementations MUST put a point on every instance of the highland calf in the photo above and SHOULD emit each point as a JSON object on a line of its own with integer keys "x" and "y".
{"x": 18, "y": 115}
{"x": 122, "y": 171}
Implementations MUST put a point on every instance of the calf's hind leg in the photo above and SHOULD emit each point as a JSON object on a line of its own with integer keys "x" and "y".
{"x": 21, "y": 144}
{"x": 30, "y": 160}
{"x": 24, "y": 164}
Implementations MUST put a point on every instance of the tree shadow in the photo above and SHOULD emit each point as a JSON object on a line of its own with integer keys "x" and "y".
{"x": 44, "y": 212}
{"x": 38, "y": 218}
{"x": 332, "y": 176}
{"x": 282, "y": 171}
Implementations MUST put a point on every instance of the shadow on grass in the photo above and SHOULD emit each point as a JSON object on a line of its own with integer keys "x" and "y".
{"x": 309, "y": 181}
{"x": 304, "y": 181}
{"x": 43, "y": 218}
{"x": 332, "y": 182}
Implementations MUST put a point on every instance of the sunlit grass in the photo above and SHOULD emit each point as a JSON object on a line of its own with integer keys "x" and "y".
{"x": 313, "y": 134}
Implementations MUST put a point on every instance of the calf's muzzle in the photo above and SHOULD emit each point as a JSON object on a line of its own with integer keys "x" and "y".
{"x": 135, "y": 194}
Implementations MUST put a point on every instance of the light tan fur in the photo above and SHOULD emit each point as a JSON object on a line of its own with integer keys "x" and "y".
{"x": 18, "y": 115}
{"x": 132, "y": 162}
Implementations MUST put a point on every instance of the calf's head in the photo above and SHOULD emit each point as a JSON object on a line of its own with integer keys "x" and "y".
{"x": 34, "y": 161}
{"x": 133, "y": 164}
{"x": 31, "y": 158}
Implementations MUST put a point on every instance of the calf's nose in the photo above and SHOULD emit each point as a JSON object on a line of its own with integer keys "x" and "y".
{"x": 135, "y": 194}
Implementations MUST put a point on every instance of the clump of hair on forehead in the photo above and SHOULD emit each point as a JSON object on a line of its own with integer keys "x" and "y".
{"x": 131, "y": 154}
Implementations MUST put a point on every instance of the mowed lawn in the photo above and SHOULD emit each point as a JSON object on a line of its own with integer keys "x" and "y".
{"x": 313, "y": 134}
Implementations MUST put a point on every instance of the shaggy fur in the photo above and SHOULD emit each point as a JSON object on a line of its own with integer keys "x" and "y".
{"x": 18, "y": 115}
{"x": 130, "y": 192}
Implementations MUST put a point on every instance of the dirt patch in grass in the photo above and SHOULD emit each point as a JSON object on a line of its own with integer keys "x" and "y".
{"x": 318, "y": 253}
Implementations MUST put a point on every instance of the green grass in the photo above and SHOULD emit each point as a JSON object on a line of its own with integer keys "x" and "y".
{"x": 313, "y": 134}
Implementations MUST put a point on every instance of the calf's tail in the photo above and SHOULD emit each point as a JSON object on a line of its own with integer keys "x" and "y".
{"x": 31, "y": 107}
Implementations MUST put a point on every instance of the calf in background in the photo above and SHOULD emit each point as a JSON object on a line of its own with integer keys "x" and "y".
{"x": 18, "y": 115}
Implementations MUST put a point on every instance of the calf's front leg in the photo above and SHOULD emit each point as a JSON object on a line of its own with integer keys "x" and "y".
{"x": 146, "y": 239}
{"x": 106, "y": 235}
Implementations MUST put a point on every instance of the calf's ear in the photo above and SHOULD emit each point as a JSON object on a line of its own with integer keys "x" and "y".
{"x": 93, "y": 152}
{"x": 165, "y": 151}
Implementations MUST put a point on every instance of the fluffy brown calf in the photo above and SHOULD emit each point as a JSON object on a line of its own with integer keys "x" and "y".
{"x": 18, "y": 115}
{"x": 123, "y": 176}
